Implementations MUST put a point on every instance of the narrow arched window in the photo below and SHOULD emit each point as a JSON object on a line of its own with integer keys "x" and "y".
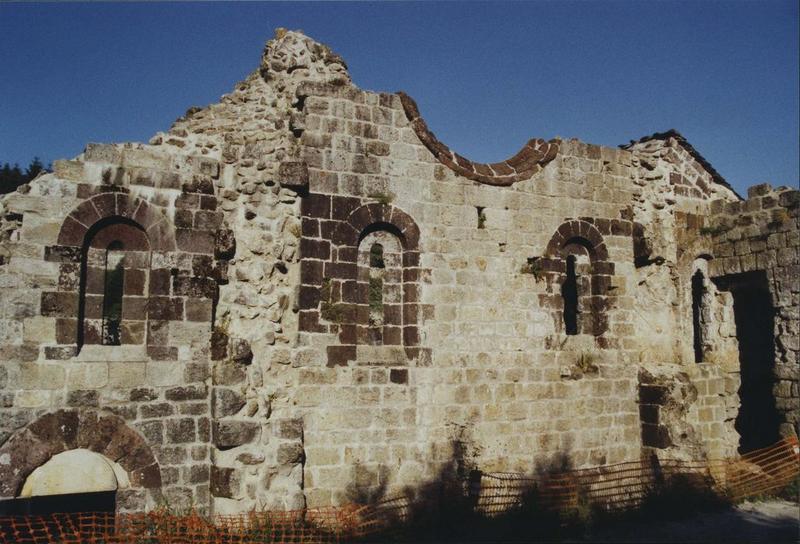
{"x": 115, "y": 272}
{"x": 569, "y": 292}
{"x": 376, "y": 268}
{"x": 114, "y": 288}
{"x": 698, "y": 290}
{"x": 380, "y": 275}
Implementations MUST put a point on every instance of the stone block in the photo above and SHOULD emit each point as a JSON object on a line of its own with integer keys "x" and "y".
{"x": 69, "y": 170}
{"x": 127, "y": 374}
{"x": 229, "y": 373}
{"x": 41, "y": 376}
{"x": 241, "y": 352}
{"x": 232, "y": 433}
{"x": 87, "y": 375}
{"x": 398, "y": 375}
{"x": 195, "y": 241}
{"x": 227, "y": 402}
{"x": 153, "y": 431}
{"x": 180, "y": 431}
{"x": 789, "y": 199}
{"x": 31, "y": 399}
{"x": 59, "y": 304}
{"x": 186, "y": 393}
{"x": 290, "y": 429}
{"x": 164, "y": 373}
{"x": 293, "y": 175}
{"x": 224, "y": 482}
{"x": 290, "y": 453}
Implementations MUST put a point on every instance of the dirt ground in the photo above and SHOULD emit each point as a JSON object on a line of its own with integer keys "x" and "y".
{"x": 768, "y": 521}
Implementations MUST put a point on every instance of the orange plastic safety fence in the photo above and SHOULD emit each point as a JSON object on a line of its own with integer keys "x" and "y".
{"x": 614, "y": 487}
{"x": 313, "y": 526}
{"x": 625, "y": 485}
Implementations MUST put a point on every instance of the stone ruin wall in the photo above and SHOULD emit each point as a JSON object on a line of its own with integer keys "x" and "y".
{"x": 762, "y": 234}
{"x": 262, "y": 377}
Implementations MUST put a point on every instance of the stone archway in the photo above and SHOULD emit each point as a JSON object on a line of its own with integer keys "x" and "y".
{"x": 78, "y": 223}
{"x": 64, "y": 430}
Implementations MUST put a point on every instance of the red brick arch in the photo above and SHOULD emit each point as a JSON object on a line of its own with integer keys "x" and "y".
{"x": 578, "y": 230}
{"x": 56, "y": 432}
{"x": 533, "y": 156}
{"x": 77, "y": 224}
{"x": 375, "y": 216}
{"x": 598, "y": 299}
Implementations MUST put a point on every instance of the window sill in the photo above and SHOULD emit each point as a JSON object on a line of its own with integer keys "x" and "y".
{"x": 91, "y": 353}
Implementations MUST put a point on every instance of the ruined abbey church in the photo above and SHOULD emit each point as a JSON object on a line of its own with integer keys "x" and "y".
{"x": 299, "y": 296}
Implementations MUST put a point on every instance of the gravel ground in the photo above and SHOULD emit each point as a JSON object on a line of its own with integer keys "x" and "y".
{"x": 768, "y": 521}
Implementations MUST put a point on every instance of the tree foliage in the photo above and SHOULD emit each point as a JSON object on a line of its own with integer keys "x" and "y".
{"x": 12, "y": 176}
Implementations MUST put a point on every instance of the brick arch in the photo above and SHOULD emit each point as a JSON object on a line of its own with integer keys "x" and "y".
{"x": 533, "y": 156}
{"x": 583, "y": 232}
{"x": 78, "y": 223}
{"x": 375, "y": 216}
{"x": 597, "y": 299}
{"x": 63, "y": 430}
{"x": 332, "y": 298}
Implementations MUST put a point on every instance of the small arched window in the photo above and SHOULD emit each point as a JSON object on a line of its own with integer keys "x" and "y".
{"x": 698, "y": 292}
{"x": 569, "y": 292}
{"x": 381, "y": 269}
{"x": 114, "y": 284}
{"x": 576, "y": 262}
{"x": 376, "y": 268}
{"x": 114, "y": 288}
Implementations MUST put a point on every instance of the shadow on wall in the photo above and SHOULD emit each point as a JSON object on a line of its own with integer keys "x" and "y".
{"x": 454, "y": 507}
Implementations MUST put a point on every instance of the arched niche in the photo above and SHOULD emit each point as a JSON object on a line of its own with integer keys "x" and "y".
{"x": 75, "y": 471}
{"x": 63, "y": 430}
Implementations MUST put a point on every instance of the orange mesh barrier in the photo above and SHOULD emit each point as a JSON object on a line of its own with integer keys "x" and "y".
{"x": 624, "y": 485}
{"x": 613, "y": 487}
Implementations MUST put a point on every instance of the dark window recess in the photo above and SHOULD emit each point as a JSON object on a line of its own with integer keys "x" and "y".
{"x": 112, "y": 295}
{"x": 376, "y": 256}
{"x": 569, "y": 292}
{"x": 698, "y": 290}
{"x": 102, "y": 504}
{"x": 101, "y": 501}
{"x": 481, "y": 217}
{"x": 758, "y": 420}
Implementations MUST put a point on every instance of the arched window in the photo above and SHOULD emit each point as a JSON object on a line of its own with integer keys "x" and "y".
{"x": 114, "y": 284}
{"x": 576, "y": 262}
{"x": 569, "y": 292}
{"x": 377, "y": 266}
{"x": 112, "y": 294}
{"x": 362, "y": 282}
{"x": 380, "y": 267}
{"x": 698, "y": 292}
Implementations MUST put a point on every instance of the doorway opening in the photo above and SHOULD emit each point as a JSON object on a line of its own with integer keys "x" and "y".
{"x": 758, "y": 420}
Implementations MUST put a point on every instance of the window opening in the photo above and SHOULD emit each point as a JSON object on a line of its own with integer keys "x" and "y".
{"x": 112, "y": 294}
{"x": 569, "y": 292}
{"x": 376, "y": 256}
{"x": 481, "y": 217}
{"x": 698, "y": 291}
{"x": 375, "y": 296}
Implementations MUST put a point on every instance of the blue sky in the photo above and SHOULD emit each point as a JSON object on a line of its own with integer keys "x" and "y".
{"x": 487, "y": 76}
